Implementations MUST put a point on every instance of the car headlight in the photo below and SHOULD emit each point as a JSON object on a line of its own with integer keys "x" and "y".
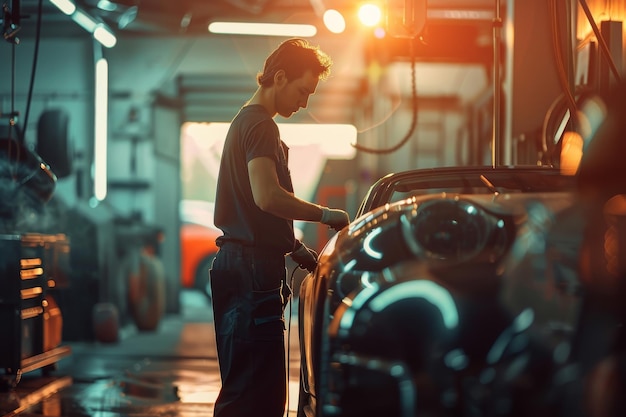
{"x": 447, "y": 229}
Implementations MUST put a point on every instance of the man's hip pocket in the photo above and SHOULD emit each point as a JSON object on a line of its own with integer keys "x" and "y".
{"x": 267, "y": 315}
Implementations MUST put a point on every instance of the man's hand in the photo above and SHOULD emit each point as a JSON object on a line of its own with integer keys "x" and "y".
{"x": 306, "y": 258}
{"x": 335, "y": 218}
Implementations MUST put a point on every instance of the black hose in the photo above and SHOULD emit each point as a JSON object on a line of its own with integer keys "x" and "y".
{"x": 34, "y": 69}
{"x": 414, "y": 112}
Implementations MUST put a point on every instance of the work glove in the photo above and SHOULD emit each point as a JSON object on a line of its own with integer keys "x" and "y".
{"x": 306, "y": 258}
{"x": 335, "y": 218}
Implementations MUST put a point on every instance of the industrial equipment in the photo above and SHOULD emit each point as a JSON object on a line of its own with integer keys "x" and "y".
{"x": 32, "y": 267}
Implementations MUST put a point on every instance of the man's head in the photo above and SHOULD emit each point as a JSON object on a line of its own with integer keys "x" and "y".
{"x": 295, "y": 57}
{"x": 293, "y": 70}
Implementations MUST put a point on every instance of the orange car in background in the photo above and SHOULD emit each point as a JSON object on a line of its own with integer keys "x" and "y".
{"x": 197, "y": 241}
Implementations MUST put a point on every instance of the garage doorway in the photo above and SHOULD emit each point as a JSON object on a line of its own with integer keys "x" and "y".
{"x": 310, "y": 147}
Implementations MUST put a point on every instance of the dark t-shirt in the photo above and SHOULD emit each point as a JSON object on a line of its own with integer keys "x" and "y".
{"x": 252, "y": 134}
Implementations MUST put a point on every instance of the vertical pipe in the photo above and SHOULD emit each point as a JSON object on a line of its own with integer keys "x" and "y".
{"x": 497, "y": 88}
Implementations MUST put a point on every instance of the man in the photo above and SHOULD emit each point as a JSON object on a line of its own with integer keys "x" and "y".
{"x": 255, "y": 208}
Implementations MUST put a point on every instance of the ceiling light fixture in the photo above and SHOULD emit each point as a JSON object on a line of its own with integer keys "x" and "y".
{"x": 84, "y": 21}
{"x": 334, "y": 21}
{"x": 96, "y": 27}
{"x": 66, "y": 6}
{"x": 106, "y": 5}
{"x": 263, "y": 29}
{"x": 370, "y": 14}
{"x": 127, "y": 17}
{"x": 101, "y": 103}
{"x": 103, "y": 35}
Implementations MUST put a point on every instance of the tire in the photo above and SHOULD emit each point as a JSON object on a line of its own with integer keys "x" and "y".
{"x": 201, "y": 281}
{"x": 147, "y": 293}
{"x": 53, "y": 143}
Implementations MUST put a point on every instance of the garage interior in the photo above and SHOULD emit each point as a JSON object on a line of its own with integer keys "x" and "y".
{"x": 103, "y": 141}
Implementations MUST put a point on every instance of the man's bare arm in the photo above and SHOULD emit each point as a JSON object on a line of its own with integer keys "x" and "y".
{"x": 269, "y": 196}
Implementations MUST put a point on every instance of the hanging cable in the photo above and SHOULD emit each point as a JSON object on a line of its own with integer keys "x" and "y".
{"x": 10, "y": 27}
{"x": 12, "y": 19}
{"x": 562, "y": 74}
{"x": 33, "y": 70}
{"x": 413, "y": 106}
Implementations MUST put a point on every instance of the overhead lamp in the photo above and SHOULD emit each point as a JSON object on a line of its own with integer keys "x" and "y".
{"x": 66, "y": 6}
{"x": 101, "y": 101}
{"x": 99, "y": 30}
{"x": 370, "y": 14}
{"x": 106, "y": 5}
{"x": 263, "y": 29}
{"x": 334, "y": 21}
{"x": 103, "y": 35}
{"x": 84, "y": 20}
{"x": 127, "y": 17}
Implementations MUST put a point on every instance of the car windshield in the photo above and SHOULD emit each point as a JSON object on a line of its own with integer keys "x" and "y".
{"x": 400, "y": 186}
{"x": 482, "y": 183}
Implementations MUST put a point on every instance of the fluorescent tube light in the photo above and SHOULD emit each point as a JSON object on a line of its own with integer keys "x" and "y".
{"x": 101, "y": 110}
{"x": 103, "y": 35}
{"x": 449, "y": 14}
{"x": 66, "y": 6}
{"x": 263, "y": 29}
{"x": 99, "y": 30}
{"x": 106, "y": 5}
{"x": 84, "y": 20}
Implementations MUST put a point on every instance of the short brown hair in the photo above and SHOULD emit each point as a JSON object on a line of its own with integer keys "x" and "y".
{"x": 295, "y": 56}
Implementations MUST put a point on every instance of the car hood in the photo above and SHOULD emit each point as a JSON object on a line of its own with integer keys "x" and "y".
{"x": 448, "y": 233}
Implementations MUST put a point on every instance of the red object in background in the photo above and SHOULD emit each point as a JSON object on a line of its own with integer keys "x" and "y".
{"x": 198, "y": 249}
{"x": 197, "y": 244}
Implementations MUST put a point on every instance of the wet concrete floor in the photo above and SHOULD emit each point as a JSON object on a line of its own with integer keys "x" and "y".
{"x": 169, "y": 372}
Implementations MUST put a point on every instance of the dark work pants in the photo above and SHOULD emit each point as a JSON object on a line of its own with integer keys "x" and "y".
{"x": 247, "y": 295}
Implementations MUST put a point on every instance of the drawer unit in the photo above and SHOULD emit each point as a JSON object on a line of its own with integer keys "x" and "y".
{"x": 32, "y": 267}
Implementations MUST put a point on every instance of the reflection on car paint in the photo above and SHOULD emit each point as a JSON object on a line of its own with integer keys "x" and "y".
{"x": 430, "y": 291}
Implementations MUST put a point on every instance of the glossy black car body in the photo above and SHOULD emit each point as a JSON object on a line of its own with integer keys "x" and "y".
{"x": 454, "y": 292}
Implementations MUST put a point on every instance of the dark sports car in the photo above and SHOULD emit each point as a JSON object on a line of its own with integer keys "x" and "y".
{"x": 454, "y": 292}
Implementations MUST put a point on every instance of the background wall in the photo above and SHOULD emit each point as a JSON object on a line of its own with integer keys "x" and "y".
{"x": 63, "y": 80}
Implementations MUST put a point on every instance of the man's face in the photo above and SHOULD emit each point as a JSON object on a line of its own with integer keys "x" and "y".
{"x": 291, "y": 95}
